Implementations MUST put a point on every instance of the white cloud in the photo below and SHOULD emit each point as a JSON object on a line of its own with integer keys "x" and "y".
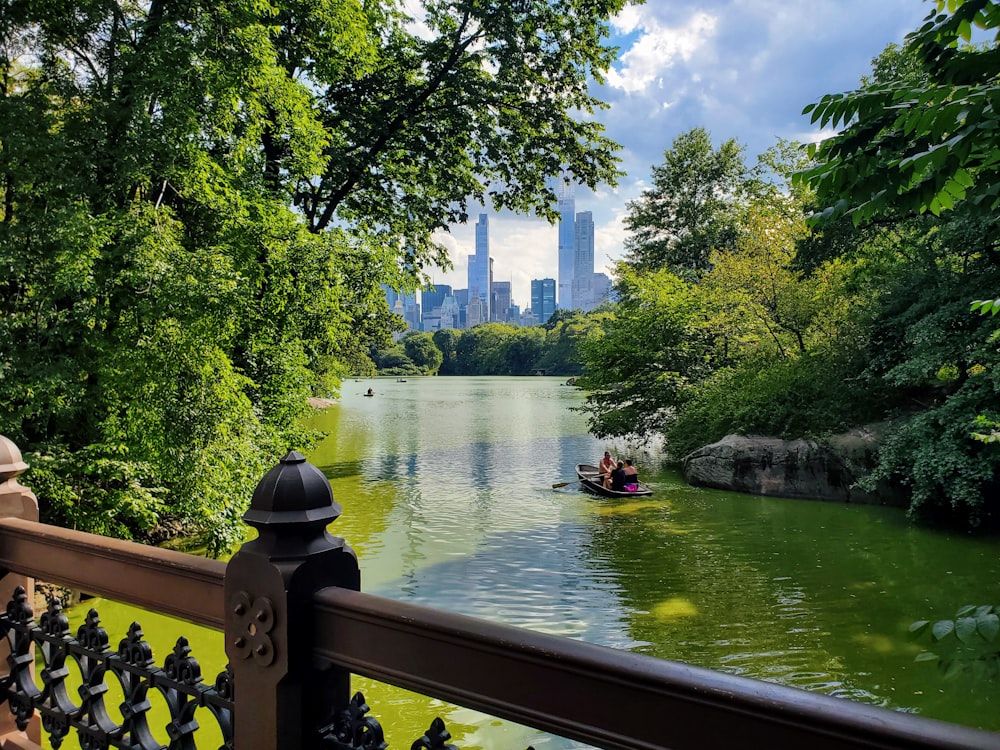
{"x": 657, "y": 48}
{"x": 743, "y": 69}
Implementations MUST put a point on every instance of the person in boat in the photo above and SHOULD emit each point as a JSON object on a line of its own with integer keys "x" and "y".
{"x": 631, "y": 476}
{"x": 606, "y": 466}
{"x": 618, "y": 477}
{"x": 371, "y": 392}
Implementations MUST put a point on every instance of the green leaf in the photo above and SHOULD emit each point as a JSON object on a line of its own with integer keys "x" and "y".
{"x": 965, "y": 628}
{"x": 951, "y": 668}
{"x": 919, "y": 627}
{"x": 942, "y": 629}
{"x": 926, "y": 656}
{"x": 988, "y": 626}
{"x": 965, "y": 30}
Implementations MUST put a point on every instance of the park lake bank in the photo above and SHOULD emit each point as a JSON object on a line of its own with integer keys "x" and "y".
{"x": 446, "y": 490}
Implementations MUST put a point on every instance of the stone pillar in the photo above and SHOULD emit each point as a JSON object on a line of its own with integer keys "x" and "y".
{"x": 16, "y": 501}
{"x": 282, "y": 698}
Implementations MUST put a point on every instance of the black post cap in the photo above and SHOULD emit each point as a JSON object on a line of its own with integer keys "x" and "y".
{"x": 293, "y": 492}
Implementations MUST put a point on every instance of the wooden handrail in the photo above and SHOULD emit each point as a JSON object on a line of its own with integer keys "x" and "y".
{"x": 598, "y": 695}
{"x": 184, "y": 586}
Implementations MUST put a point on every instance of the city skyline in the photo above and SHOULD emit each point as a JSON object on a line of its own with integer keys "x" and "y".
{"x": 741, "y": 69}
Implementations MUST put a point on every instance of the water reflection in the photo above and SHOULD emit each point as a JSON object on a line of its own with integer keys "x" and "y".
{"x": 446, "y": 489}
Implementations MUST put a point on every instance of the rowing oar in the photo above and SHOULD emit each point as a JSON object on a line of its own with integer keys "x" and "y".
{"x": 564, "y": 484}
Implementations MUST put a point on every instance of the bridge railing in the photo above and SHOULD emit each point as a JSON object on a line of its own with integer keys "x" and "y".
{"x": 297, "y": 626}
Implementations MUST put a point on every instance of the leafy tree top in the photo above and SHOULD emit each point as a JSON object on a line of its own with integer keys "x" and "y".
{"x": 687, "y": 212}
{"x": 917, "y": 143}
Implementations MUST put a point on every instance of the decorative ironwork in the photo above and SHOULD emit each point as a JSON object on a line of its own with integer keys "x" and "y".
{"x": 179, "y": 682}
{"x": 435, "y": 738}
{"x": 352, "y": 730}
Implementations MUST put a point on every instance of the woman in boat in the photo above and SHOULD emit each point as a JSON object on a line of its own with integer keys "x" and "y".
{"x": 631, "y": 476}
{"x": 618, "y": 477}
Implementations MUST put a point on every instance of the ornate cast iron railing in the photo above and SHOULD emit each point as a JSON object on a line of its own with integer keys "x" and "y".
{"x": 297, "y": 626}
{"x": 179, "y": 682}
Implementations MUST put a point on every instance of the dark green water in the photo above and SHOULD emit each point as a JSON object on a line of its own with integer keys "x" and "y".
{"x": 446, "y": 491}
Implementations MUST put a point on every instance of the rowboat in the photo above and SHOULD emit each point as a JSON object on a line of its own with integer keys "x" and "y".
{"x": 590, "y": 480}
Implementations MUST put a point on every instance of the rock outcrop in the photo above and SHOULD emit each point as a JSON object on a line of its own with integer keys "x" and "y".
{"x": 791, "y": 468}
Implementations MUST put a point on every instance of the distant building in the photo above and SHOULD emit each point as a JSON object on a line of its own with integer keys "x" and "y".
{"x": 475, "y": 312}
{"x": 449, "y": 313}
{"x": 567, "y": 209}
{"x": 601, "y": 289}
{"x": 583, "y": 261}
{"x": 543, "y": 299}
{"x": 500, "y": 302}
{"x": 431, "y": 302}
{"x": 404, "y": 305}
{"x": 462, "y": 300}
{"x": 480, "y": 265}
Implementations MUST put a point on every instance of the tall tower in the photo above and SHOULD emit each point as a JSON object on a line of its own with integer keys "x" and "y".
{"x": 479, "y": 267}
{"x": 583, "y": 261}
{"x": 567, "y": 210}
{"x": 543, "y": 299}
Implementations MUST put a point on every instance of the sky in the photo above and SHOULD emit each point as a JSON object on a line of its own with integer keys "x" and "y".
{"x": 742, "y": 69}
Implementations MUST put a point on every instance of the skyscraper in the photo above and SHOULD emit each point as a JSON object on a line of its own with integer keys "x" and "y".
{"x": 583, "y": 261}
{"x": 431, "y": 302}
{"x": 543, "y": 299}
{"x": 479, "y": 267}
{"x": 567, "y": 209}
{"x": 500, "y": 302}
{"x": 431, "y": 298}
{"x": 404, "y": 305}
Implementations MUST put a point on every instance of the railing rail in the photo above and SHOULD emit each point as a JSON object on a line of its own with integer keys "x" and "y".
{"x": 180, "y": 585}
{"x": 297, "y": 626}
{"x": 599, "y": 695}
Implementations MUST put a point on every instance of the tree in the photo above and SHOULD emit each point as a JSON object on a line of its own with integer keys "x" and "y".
{"x": 917, "y": 143}
{"x": 688, "y": 212}
{"x": 446, "y": 340}
{"x": 480, "y": 350}
{"x": 567, "y": 330}
{"x": 421, "y": 350}
{"x": 651, "y": 351}
{"x": 925, "y": 142}
{"x": 198, "y": 202}
{"x": 523, "y": 350}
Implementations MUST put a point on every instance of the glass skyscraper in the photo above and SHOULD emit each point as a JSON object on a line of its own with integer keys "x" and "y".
{"x": 543, "y": 299}
{"x": 479, "y": 267}
{"x": 567, "y": 210}
{"x": 583, "y": 261}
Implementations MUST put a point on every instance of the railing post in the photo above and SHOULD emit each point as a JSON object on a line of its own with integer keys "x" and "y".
{"x": 282, "y": 697}
{"x": 16, "y": 501}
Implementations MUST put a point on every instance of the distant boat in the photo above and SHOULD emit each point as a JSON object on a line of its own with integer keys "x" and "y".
{"x": 400, "y": 380}
{"x": 590, "y": 480}
{"x": 370, "y": 392}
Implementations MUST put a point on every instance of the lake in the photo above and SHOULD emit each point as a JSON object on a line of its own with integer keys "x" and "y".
{"x": 446, "y": 489}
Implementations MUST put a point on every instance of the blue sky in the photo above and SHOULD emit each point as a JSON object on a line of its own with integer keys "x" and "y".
{"x": 742, "y": 69}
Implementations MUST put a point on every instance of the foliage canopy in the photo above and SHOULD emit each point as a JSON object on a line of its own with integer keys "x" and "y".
{"x": 198, "y": 202}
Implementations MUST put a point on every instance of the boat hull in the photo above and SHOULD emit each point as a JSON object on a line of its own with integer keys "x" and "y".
{"x": 589, "y": 477}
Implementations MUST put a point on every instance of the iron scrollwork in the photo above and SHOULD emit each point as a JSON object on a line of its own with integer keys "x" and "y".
{"x": 435, "y": 738}
{"x": 179, "y": 682}
{"x": 353, "y": 730}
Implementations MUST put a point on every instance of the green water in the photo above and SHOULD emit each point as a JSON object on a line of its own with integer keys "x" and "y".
{"x": 445, "y": 485}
